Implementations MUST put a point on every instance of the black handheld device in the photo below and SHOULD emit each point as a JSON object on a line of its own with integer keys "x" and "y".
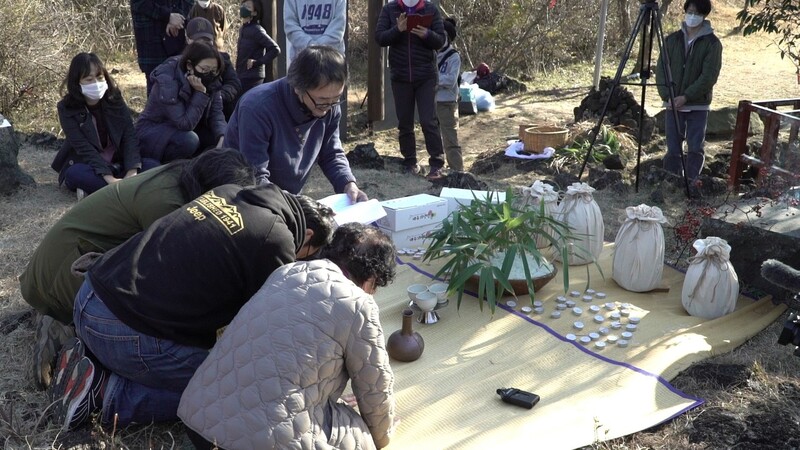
{"x": 518, "y": 397}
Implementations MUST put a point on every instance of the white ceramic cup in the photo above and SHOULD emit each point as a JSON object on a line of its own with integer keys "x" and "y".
{"x": 426, "y": 301}
{"x": 440, "y": 290}
{"x": 414, "y": 290}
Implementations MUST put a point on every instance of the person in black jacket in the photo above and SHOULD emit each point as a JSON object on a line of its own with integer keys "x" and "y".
{"x": 255, "y": 49}
{"x": 101, "y": 146}
{"x": 150, "y": 309}
{"x": 412, "y": 64}
{"x": 183, "y": 115}
{"x": 158, "y": 31}
{"x": 201, "y": 29}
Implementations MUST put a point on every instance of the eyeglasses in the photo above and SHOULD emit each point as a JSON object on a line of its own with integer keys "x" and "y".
{"x": 205, "y": 70}
{"x": 323, "y": 106}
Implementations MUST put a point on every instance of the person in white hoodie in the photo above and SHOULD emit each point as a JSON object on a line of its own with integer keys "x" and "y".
{"x": 449, "y": 62}
{"x": 313, "y": 22}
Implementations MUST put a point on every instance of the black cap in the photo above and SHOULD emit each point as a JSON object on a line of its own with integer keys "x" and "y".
{"x": 199, "y": 28}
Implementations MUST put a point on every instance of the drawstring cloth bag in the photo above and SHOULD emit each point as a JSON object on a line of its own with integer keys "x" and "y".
{"x": 639, "y": 249}
{"x": 711, "y": 287}
{"x": 533, "y": 197}
{"x": 580, "y": 211}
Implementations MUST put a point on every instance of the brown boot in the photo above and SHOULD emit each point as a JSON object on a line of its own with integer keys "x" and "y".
{"x": 50, "y": 336}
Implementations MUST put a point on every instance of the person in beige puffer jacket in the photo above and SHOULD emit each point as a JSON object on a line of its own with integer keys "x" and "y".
{"x": 275, "y": 377}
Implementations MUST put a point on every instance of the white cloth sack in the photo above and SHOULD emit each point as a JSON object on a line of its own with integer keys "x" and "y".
{"x": 533, "y": 197}
{"x": 639, "y": 249}
{"x": 580, "y": 211}
{"x": 711, "y": 287}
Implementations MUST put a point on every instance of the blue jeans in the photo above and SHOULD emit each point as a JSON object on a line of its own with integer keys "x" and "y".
{"x": 148, "y": 375}
{"x": 694, "y": 123}
{"x": 82, "y": 176}
{"x": 180, "y": 145}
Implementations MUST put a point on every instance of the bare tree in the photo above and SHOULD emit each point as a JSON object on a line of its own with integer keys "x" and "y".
{"x": 664, "y": 7}
{"x": 624, "y": 18}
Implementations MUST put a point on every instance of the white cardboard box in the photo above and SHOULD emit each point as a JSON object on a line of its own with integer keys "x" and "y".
{"x": 456, "y": 197}
{"x": 412, "y": 237}
{"x": 413, "y": 212}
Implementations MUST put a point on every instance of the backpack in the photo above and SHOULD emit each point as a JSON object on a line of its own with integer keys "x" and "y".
{"x": 445, "y": 58}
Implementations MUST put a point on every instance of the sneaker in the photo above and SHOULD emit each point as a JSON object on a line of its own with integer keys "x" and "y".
{"x": 436, "y": 173}
{"x": 77, "y": 390}
{"x": 80, "y": 193}
{"x": 412, "y": 169}
{"x": 71, "y": 353}
{"x": 51, "y": 335}
{"x": 83, "y": 395}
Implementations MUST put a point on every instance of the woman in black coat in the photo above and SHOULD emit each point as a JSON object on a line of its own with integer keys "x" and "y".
{"x": 183, "y": 115}
{"x": 101, "y": 147}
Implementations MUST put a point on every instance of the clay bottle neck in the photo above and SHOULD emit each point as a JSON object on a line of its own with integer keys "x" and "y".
{"x": 407, "y": 321}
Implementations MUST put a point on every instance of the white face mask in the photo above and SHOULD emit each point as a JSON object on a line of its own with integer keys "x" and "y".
{"x": 204, "y": 3}
{"x": 94, "y": 91}
{"x": 692, "y": 20}
{"x": 410, "y": 3}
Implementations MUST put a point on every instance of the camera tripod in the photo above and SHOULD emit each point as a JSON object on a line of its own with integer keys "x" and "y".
{"x": 648, "y": 25}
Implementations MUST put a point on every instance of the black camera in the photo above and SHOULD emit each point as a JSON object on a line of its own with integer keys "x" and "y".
{"x": 791, "y": 333}
{"x": 786, "y": 278}
{"x": 518, "y": 397}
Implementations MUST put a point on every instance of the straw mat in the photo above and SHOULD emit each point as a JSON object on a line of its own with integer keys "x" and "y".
{"x": 446, "y": 399}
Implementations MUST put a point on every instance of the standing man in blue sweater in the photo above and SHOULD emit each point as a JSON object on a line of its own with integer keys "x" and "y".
{"x": 286, "y": 126}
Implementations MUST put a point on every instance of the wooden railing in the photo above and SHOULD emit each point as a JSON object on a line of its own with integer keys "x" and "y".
{"x": 768, "y": 111}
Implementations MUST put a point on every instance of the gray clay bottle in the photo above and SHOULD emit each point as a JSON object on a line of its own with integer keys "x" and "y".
{"x": 405, "y": 344}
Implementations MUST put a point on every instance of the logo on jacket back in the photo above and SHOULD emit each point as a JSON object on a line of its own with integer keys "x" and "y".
{"x": 315, "y": 18}
{"x": 316, "y": 11}
{"x": 218, "y": 207}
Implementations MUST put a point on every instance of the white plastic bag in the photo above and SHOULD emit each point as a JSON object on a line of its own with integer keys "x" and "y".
{"x": 711, "y": 287}
{"x": 580, "y": 211}
{"x": 639, "y": 249}
{"x": 468, "y": 77}
{"x": 484, "y": 100}
{"x": 533, "y": 197}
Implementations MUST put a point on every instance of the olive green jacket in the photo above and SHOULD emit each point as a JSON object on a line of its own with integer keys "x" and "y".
{"x": 694, "y": 69}
{"x": 98, "y": 223}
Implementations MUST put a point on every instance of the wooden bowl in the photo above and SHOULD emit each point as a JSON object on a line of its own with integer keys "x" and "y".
{"x": 521, "y": 286}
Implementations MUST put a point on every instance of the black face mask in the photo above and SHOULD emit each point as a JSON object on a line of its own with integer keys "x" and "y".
{"x": 206, "y": 78}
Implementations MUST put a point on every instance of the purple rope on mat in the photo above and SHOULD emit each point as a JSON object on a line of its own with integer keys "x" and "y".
{"x": 697, "y": 401}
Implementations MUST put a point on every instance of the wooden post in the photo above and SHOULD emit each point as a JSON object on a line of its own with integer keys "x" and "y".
{"x": 739, "y": 143}
{"x": 343, "y": 130}
{"x": 375, "y": 62}
{"x": 270, "y": 24}
{"x": 280, "y": 38}
{"x": 771, "y": 128}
